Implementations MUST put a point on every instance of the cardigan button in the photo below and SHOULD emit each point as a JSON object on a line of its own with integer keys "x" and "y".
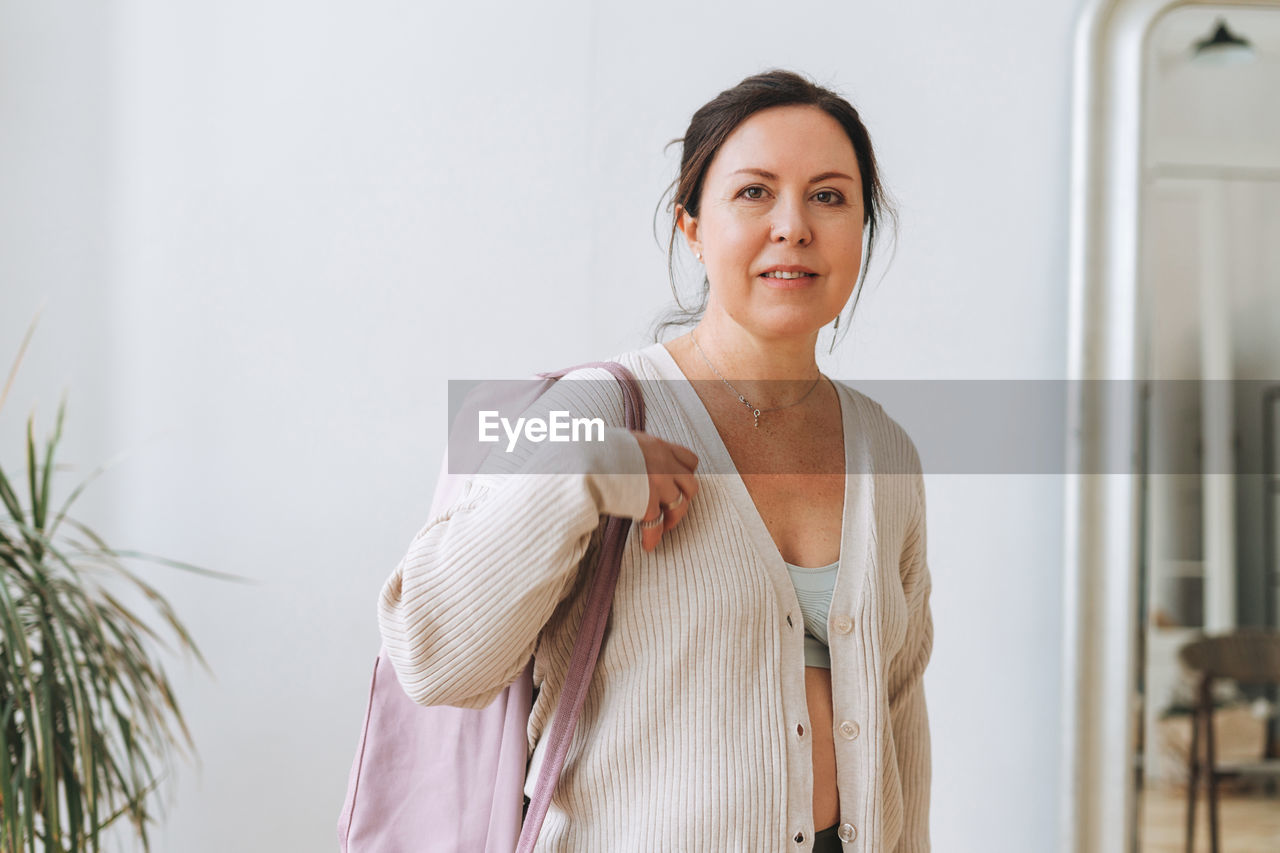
{"x": 800, "y": 837}
{"x": 844, "y": 624}
{"x": 848, "y": 832}
{"x": 849, "y": 729}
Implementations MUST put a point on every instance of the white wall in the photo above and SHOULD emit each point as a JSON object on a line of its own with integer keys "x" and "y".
{"x": 306, "y": 217}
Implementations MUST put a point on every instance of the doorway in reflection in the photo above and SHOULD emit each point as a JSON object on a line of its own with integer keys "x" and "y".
{"x": 1209, "y": 321}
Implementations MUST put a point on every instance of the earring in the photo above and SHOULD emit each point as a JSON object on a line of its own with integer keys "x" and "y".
{"x": 834, "y": 329}
{"x": 698, "y": 255}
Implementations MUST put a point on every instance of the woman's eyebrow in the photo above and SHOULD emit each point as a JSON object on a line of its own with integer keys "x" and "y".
{"x": 772, "y": 177}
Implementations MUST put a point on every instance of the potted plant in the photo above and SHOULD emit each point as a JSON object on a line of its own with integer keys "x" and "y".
{"x": 88, "y": 718}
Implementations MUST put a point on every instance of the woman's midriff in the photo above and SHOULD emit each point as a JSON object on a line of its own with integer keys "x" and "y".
{"x": 826, "y": 797}
{"x": 803, "y": 509}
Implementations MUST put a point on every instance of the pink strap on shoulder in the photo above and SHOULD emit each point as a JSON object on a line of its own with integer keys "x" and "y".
{"x": 586, "y": 649}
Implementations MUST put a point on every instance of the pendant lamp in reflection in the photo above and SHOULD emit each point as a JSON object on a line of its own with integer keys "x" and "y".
{"x": 1222, "y": 48}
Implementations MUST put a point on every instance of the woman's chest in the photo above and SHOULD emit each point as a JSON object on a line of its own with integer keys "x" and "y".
{"x": 797, "y": 490}
{"x": 803, "y": 514}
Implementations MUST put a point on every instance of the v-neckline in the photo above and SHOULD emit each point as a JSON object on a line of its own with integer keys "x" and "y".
{"x": 691, "y": 403}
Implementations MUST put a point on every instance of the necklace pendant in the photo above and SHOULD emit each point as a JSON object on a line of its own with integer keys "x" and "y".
{"x": 757, "y": 414}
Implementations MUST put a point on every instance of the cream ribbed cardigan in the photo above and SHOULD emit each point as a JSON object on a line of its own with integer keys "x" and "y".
{"x": 694, "y": 735}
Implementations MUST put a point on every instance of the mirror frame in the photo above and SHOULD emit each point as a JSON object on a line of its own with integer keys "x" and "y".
{"x": 1101, "y": 510}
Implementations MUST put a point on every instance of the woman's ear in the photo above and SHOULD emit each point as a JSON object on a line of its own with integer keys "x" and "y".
{"x": 689, "y": 226}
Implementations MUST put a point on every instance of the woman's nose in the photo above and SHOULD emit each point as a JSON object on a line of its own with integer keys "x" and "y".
{"x": 791, "y": 222}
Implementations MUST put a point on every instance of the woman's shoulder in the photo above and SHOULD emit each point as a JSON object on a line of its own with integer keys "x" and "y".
{"x": 576, "y": 412}
{"x": 589, "y": 388}
{"x": 592, "y": 386}
{"x": 892, "y": 448}
{"x": 637, "y": 361}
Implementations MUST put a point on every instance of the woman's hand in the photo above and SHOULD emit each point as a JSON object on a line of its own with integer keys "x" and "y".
{"x": 672, "y": 485}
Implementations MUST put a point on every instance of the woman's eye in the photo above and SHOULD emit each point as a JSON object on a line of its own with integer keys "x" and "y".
{"x": 756, "y": 193}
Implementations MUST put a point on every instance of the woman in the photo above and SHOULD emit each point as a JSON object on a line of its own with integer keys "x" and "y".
{"x": 759, "y": 686}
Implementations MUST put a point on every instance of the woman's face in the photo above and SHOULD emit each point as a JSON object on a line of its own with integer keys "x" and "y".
{"x": 782, "y": 191}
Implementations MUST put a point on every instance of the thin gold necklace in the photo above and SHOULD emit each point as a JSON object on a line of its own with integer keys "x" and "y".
{"x": 742, "y": 399}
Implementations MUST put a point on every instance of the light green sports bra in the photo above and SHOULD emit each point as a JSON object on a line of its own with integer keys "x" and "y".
{"x": 813, "y": 589}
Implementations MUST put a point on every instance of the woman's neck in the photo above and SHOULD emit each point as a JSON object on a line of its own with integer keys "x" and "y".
{"x": 768, "y": 372}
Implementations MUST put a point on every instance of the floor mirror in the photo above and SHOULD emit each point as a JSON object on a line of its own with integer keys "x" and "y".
{"x": 1172, "y": 576}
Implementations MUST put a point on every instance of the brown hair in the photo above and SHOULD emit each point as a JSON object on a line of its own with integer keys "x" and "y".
{"x": 712, "y": 124}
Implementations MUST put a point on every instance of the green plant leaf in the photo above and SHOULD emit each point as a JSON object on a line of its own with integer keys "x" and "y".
{"x": 89, "y": 722}
{"x": 17, "y": 361}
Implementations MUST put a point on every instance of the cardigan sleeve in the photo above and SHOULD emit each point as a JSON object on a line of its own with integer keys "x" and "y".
{"x": 461, "y": 613}
{"x": 907, "y": 711}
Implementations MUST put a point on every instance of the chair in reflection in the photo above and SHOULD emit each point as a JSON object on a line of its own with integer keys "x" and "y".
{"x": 1245, "y": 656}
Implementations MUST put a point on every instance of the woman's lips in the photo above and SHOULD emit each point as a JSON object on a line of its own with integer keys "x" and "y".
{"x": 789, "y": 283}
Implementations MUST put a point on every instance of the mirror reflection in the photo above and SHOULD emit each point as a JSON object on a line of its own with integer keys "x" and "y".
{"x": 1207, "y": 760}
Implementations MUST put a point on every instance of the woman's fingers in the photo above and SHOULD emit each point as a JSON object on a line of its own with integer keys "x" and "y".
{"x": 685, "y": 456}
{"x": 672, "y": 487}
{"x": 651, "y": 535}
{"x": 673, "y": 506}
{"x": 667, "y": 515}
{"x": 678, "y": 507}
{"x": 688, "y": 485}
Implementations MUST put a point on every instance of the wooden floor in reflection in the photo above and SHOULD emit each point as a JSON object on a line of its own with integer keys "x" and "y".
{"x": 1248, "y": 823}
